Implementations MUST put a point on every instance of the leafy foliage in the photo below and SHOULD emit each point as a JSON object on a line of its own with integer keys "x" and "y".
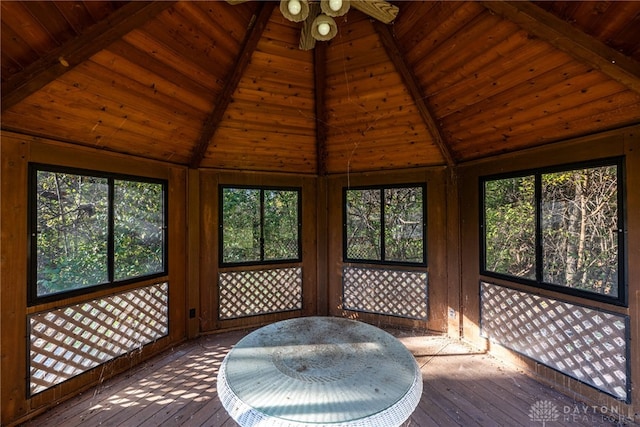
{"x": 403, "y": 219}
{"x": 364, "y": 224}
{"x": 72, "y": 237}
{"x": 72, "y": 227}
{"x": 138, "y": 229}
{"x": 280, "y": 224}
{"x": 579, "y": 222}
{"x": 404, "y": 222}
{"x": 241, "y": 225}
{"x": 510, "y": 226}
{"x": 259, "y": 225}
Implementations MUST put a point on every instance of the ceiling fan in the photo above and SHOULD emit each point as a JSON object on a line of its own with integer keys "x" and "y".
{"x": 317, "y": 16}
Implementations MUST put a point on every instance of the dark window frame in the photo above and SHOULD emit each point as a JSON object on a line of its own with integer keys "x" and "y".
{"x": 262, "y": 261}
{"x": 32, "y": 229}
{"x": 382, "y": 260}
{"x": 622, "y": 295}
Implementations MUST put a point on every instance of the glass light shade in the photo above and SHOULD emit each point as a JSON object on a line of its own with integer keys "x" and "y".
{"x": 335, "y": 5}
{"x": 294, "y": 7}
{"x": 295, "y": 10}
{"x": 335, "y": 8}
{"x": 324, "y": 28}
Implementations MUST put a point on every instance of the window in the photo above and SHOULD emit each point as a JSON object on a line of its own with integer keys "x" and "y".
{"x": 91, "y": 230}
{"x": 385, "y": 225}
{"x": 259, "y": 225}
{"x": 561, "y": 228}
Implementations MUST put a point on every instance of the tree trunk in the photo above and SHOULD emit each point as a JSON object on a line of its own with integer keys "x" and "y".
{"x": 575, "y": 234}
{"x": 63, "y": 221}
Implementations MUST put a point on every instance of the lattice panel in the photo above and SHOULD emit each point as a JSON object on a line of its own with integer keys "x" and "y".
{"x": 69, "y": 341}
{"x": 390, "y": 292}
{"x": 586, "y": 344}
{"x": 249, "y": 293}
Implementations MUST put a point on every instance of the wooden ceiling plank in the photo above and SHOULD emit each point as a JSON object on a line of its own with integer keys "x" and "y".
{"x": 543, "y": 94}
{"x": 396, "y": 56}
{"x": 18, "y": 54}
{"x": 502, "y": 78}
{"x": 549, "y": 133}
{"x": 57, "y": 25}
{"x": 576, "y": 43}
{"x": 77, "y": 50}
{"x": 256, "y": 28}
{"x": 155, "y": 66}
{"x": 76, "y": 14}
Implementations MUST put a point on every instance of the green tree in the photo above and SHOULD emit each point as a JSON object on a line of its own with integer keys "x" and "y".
{"x": 138, "y": 229}
{"x": 260, "y": 224}
{"x": 241, "y": 222}
{"x": 579, "y": 228}
{"x": 509, "y": 211}
{"x": 71, "y": 231}
{"x": 580, "y": 239}
{"x": 280, "y": 224}
{"x": 363, "y": 224}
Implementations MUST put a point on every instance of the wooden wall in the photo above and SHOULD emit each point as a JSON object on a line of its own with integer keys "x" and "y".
{"x": 16, "y": 152}
{"x": 193, "y": 259}
{"x": 207, "y": 246}
{"x": 624, "y": 142}
{"x": 452, "y": 252}
{"x": 435, "y": 180}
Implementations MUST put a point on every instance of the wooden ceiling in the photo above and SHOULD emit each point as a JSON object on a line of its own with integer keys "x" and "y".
{"x": 214, "y": 85}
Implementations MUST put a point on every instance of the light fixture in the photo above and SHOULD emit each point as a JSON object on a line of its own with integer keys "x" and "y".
{"x": 295, "y": 10}
{"x": 324, "y": 28}
{"x": 316, "y": 15}
{"x": 334, "y": 7}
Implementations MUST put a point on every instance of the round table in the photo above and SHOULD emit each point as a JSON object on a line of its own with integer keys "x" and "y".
{"x": 319, "y": 371}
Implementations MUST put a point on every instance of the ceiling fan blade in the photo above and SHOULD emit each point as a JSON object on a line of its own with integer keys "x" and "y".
{"x": 381, "y": 10}
{"x": 236, "y": 1}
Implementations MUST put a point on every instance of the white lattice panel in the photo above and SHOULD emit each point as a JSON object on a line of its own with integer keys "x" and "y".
{"x": 586, "y": 344}
{"x": 254, "y": 292}
{"x": 390, "y": 292}
{"x": 69, "y": 341}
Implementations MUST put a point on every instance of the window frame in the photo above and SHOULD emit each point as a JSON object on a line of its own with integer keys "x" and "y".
{"x": 382, "y": 260}
{"x": 262, "y": 190}
{"x": 537, "y": 173}
{"x": 32, "y": 229}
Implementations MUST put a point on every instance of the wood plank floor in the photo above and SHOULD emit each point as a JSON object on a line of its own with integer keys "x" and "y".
{"x": 178, "y": 388}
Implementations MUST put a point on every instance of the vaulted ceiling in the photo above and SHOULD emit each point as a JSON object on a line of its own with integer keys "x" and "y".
{"x": 215, "y": 85}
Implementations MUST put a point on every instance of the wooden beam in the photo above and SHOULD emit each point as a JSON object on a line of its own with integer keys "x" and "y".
{"x": 569, "y": 39}
{"x": 383, "y": 11}
{"x": 254, "y": 32}
{"x": 320, "y": 77}
{"x": 74, "y": 52}
{"x": 391, "y": 46}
